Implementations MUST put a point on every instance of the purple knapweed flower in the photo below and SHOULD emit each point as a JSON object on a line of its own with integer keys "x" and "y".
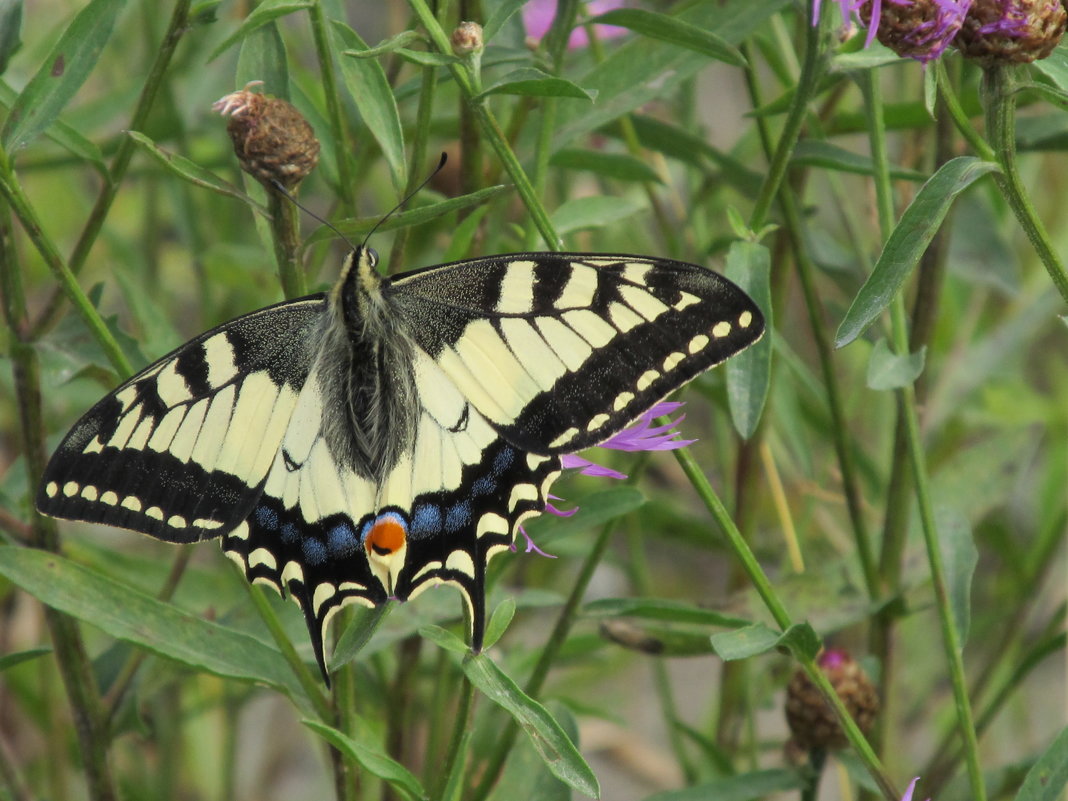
{"x": 644, "y": 435}
{"x": 1011, "y": 31}
{"x": 916, "y": 29}
{"x": 538, "y": 18}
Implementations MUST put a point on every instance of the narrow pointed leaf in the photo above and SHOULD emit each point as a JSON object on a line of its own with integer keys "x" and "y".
{"x": 366, "y": 81}
{"x": 131, "y": 615}
{"x": 749, "y": 373}
{"x": 263, "y": 13}
{"x": 759, "y": 639}
{"x": 535, "y": 83}
{"x": 63, "y": 72}
{"x": 673, "y": 31}
{"x": 10, "y": 28}
{"x": 595, "y": 211}
{"x": 192, "y": 172}
{"x": 661, "y": 609}
{"x": 17, "y": 658}
{"x": 908, "y": 241}
{"x": 621, "y": 166}
{"x": 1049, "y": 775}
{"x": 355, "y": 228}
{"x": 371, "y": 759}
{"x": 554, "y": 746}
{"x": 959, "y": 557}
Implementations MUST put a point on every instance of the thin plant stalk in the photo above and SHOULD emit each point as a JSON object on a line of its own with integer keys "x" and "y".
{"x": 918, "y": 463}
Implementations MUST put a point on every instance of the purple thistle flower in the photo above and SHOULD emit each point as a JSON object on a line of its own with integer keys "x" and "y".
{"x": 644, "y": 435}
{"x": 917, "y": 29}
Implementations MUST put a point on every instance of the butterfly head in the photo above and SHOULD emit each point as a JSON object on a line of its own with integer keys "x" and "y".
{"x": 385, "y": 540}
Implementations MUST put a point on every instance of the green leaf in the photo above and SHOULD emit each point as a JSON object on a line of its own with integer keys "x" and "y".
{"x": 554, "y": 746}
{"x": 759, "y": 639}
{"x": 908, "y": 241}
{"x": 195, "y": 174}
{"x": 10, "y": 28}
{"x": 655, "y": 641}
{"x": 61, "y": 75}
{"x": 358, "y": 633}
{"x": 263, "y": 58}
{"x": 500, "y": 15}
{"x": 17, "y": 658}
{"x": 424, "y": 58}
{"x": 621, "y": 166}
{"x": 673, "y": 31}
{"x": 62, "y": 134}
{"x": 443, "y": 638}
{"x": 1055, "y": 66}
{"x": 265, "y": 12}
{"x": 386, "y": 46}
{"x": 367, "y": 83}
{"x": 463, "y": 236}
{"x": 749, "y": 373}
{"x": 131, "y": 615}
{"x": 959, "y": 558}
{"x": 865, "y": 58}
{"x": 661, "y": 609}
{"x": 356, "y": 228}
{"x": 532, "y": 82}
{"x": 818, "y": 153}
{"x": 498, "y": 622}
{"x": 596, "y": 509}
{"x": 595, "y": 211}
{"x": 889, "y": 370}
{"x": 745, "y": 787}
{"x": 1049, "y": 775}
{"x": 689, "y": 148}
{"x": 371, "y": 759}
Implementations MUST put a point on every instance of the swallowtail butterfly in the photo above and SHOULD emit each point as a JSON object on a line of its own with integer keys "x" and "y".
{"x": 393, "y": 434}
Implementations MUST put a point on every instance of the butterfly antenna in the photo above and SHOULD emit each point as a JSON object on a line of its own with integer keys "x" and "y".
{"x": 406, "y": 198}
{"x": 283, "y": 191}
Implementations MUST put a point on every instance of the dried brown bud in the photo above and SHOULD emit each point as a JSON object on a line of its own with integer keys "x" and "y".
{"x": 917, "y": 29}
{"x": 1011, "y": 31}
{"x": 811, "y": 719}
{"x": 273, "y": 142}
{"x": 467, "y": 39}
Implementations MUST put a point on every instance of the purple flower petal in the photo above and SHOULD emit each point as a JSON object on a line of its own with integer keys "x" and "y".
{"x": 538, "y": 18}
{"x": 531, "y": 546}
{"x": 588, "y": 468}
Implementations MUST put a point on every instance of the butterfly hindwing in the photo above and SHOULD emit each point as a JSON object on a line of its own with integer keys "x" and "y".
{"x": 164, "y": 453}
{"x": 561, "y": 351}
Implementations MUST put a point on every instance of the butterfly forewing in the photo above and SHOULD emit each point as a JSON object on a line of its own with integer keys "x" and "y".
{"x": 180, "y": 451}
{"x": 561, "y": 351}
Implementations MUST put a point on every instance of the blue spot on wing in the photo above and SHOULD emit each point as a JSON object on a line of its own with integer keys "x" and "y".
{"x": 266, "y": 518}
{"x": 426, "y": 520}
{"x": 503, "y": 461}
{"x": 342, "y": 541}
{"x": 483, "y": 486}
{"x": 314, "y": 551}
{"x": 458, "y": 516}
{"x": 290, "y": 533}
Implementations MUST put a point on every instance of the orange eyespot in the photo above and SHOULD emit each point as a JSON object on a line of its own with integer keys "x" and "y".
{"x": 385, "y": 537}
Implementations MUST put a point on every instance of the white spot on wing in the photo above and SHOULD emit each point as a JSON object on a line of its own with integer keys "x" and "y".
{"x": 642, "y": 302}
{"x": 70, "y": 489}
{"x": 564, "y": 438}
{"x": 579, "y": 290}
{"x": 697, "y": 344}
{"x": 90, "y": 493}
{"x": 171, "y": 387}
{"x": 597, "y": 421}
{"x": 646, "y": 379}
{"x": 461, "y": 561}
{"x": 109, "y": 498}
{"x": 323, "y": 593}
{"x": 590, "y": 327}
{"x": 685, "y": 300}
{"x": 132, "y": 503}
{"x": 517, "y": 289}
{"x": 491, "y": 523}
{"x": 672, "y": 361}
{"x": 539, "y": 359}
{"x": 261, "y": 556}
{"x": 721, "y": 329}
{"x": 219, "y": 354}
{"x": 745, "y": 319}
{"x": 572, "y": 349}
{"x": 623, "y": 317}
{"x": 622, "y": 400}
{"x": 51, "y": 489}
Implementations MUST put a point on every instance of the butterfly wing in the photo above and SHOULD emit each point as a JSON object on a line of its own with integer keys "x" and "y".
{"x": 561, "y": 351}
{"x": 181, "y": 450}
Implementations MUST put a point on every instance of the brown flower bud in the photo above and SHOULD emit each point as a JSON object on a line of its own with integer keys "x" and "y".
{"x": 467, "y": 39}
{"x": 273, "y": 142}
{"x": 811, "y": 719}
{"x": 1011, "y": 31}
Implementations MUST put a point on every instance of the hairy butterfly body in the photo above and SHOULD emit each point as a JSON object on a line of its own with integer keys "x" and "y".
{"x": 393, "y": 434}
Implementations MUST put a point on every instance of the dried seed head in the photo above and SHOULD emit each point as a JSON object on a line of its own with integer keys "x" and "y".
{"x": 1011, "y": 31}
{"x": 273, "y": 142}
{"x": 467, "y": 39}
{"x": 916, "y": 29}
{"x": 812, "y": 721}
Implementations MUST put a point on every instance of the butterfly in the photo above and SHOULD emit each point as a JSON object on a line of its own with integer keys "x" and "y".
{"x": 364, "y": 444}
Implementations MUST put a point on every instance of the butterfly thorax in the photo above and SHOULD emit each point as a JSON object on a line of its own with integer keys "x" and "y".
{"x": 365, "y": 373}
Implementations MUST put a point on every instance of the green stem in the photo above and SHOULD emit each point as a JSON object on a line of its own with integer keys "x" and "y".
{"x": 782, "y": 618}
{"x": 459, "y": 733}
{"x": 21, "y": 206}
{"x": 307, "y": 679}
{"x": 285, "y": 236}
{"x": 1000, "y": 100}
{"x": 958, "y": 115}
{"x": 490, "y": 128}
{"x": 176, "y": 28}
{"x": 918, "y": 463}
{"x": 416, "y": 160}
{"x": 791, "y": 130}
{"x": 338, "y": 130}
